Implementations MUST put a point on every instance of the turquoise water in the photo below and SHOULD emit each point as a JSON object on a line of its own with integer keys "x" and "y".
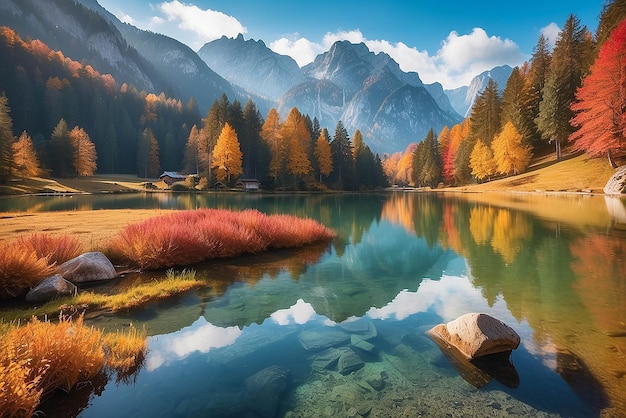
{"x": 551, "y": 267}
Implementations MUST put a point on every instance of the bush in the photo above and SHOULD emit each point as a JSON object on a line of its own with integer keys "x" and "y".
{"x": 188, "y": 237}
{"x": 25, "y": 261}
{"x": 58, "y": 248}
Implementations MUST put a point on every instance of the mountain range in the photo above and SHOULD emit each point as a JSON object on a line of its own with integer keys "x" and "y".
{"x": 349, "y": 83}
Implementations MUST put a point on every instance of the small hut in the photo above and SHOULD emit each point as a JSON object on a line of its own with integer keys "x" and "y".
{"x": 249, "y": 185}
{"x": 171, "y": 177}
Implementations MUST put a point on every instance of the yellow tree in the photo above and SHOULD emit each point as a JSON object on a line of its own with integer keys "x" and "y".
{"x": 297, "y": 135}
{"x": 509, "y": 152}
{"x": 84, "y": 152}
{"x": 25, "y": 160}
{"x": 323, "y": 154}
{"x": 271, "y": 134}
{"x": 227, "y": 157}
{"x": 482, "y": 162}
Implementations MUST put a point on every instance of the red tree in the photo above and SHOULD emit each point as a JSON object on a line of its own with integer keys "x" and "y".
{"x": 601, "y": 101}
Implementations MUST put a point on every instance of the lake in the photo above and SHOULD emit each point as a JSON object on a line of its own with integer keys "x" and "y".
{"x": 339, "y": 329}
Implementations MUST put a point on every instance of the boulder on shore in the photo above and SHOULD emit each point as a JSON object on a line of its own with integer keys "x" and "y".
{"x": 617, "y": 183}
{"x": 50, "y": 288}
{"x": 87, "y": 267}
{"x": 476, "y": 334}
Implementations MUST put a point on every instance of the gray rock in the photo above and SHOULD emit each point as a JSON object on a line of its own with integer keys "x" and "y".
{"x": 314, "y": 340}
{"x": 50, "y": 288}
{"x": 476, "y": 335}
{"x": 264, "y": 389}
{"x": 617, "y": 183}
{"x": 87, "y": 267}
{"x": 326, "y": 360}
{"x": 365, "y": 329}
{"x": 349, "y": 361}
{"x": 361, "y": 343}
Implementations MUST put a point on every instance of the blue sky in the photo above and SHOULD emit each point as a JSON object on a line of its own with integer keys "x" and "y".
{"x": 448, "y": 41}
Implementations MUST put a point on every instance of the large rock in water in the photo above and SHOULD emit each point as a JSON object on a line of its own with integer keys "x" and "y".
{"x": 476, "y": 335}
{"x": 87, "y": 267}
{"x": 50, "y": 288}
{"x": 264, "y": 389}
{"x": 617, "y": 183}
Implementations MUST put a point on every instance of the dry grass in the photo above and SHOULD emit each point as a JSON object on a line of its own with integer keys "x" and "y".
{"x": 572, "y": 174}
{"x": 134, "y": 297}
{"x": 188, "y": 237}
{"x": 41, "y": 356}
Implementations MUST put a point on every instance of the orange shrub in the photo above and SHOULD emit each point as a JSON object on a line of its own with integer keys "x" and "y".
{"x": 39, "y": 357}
{"x": 188, "y": 237}
{"x": 20, "y": 268}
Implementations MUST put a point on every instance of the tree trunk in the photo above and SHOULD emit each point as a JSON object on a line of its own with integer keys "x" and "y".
{"x": 611, "y": 160}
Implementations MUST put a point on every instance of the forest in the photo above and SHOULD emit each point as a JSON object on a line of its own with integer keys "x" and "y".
{"x": 62, "y": 118}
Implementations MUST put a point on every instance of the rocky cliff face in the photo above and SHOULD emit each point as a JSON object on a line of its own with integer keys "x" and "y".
{"x": 183, "y": 72}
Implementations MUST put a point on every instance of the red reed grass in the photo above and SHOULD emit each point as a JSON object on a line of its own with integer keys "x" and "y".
{"x": 188, "y": 237}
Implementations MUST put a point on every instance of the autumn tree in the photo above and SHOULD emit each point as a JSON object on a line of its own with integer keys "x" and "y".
{"x": 323, "y": 154}
{"x": 148, "y": 162}
{"x": 25, "y": 161}
{"x": 511, "y": 155}
{"x": 601, "y": 101}
{"x": 227, "y": 157}
{"x": 83, "y": 152}
{"x": 457, "y": 134}
{"x": 296, "y": 134}
{"x": 6, "y": 139}
{"x": 270, "y": 132}
{"x": 482, "y": 162}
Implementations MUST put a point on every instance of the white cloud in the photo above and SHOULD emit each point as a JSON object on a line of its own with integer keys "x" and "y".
{"x": 192, "y": 25}
{"x": 301, "y": 50}
{"x": 460, "y": 58}
{"x": 123, "y": 17}
{"x": 551, "y": 32}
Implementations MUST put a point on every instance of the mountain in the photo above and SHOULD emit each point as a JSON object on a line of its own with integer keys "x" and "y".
{"x": 252, "y": 66}
{"x": 364, "y": 90}
{"x": 369, "y": 92}
{"x": 187, "y": 74}
{"x": 462, "y": 98}
{"x": 82, "y": 35}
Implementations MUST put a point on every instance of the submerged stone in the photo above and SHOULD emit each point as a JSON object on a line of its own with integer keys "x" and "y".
{"x": 360, "y": 343}
{"x": 349, "y": 361}
{"x": 264, "y": 389}
{"x": 314, "y": 340}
